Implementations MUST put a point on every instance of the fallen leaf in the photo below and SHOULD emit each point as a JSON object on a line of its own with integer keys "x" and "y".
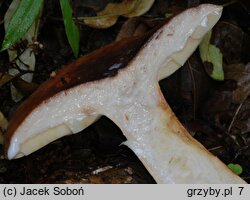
{"x": 24, "y": 87}
{"x": 5, "y": 78}
{"x": 241, "y": 74}
{"x": 212, "y": 58}
{"x": 3, "y": 122}
{"x": 132, "y": 27}
{"x": 228, "y": 107}
{"x": 141, "y": 7}
{"x": 3, "y": 127}
{"x": 241, "y": 125}
{"x": 232, "y": 41}
{"x": 110, "y": 14}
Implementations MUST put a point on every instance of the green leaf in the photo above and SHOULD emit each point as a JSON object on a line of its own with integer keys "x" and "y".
{"x": 71, "y": 29}
{"x": 211, "y": 56}
{"x": 23, "y": 18}
{"x": 236, "y": 168}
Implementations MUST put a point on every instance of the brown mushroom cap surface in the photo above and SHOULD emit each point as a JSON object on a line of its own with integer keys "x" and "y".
{"x": 79, "y": 72}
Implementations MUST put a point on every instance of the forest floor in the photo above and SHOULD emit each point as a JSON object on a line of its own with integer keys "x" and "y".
{"x": 216, "y": 113}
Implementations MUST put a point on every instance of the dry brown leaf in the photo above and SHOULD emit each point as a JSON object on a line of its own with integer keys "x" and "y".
{"x": 140, "y": 8}
{"x": 232, "y": 41}
{"x": 110, "y": 14}
{"x": 23, "y": 86}
{"x": 132, "y": 27}
{"x": 5, "y": 78}
{"x": 241, "y": 74}
{"x": 242, "y": 122}
{"x": 3, "y": 126}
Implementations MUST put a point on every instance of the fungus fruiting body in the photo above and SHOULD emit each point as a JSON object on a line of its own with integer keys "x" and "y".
{"x": 120, "y": 81}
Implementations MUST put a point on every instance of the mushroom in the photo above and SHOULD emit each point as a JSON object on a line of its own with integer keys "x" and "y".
{"x": 120, "y": 81}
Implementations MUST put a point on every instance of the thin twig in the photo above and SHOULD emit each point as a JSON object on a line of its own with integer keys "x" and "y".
{"x": 215, "y": 148}
{"x": 234, "y": 117}
{"x": 194, "y": 87}
{"x": 230, "y": 3}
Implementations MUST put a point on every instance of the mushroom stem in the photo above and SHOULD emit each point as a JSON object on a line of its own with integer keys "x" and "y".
{"x": 164, "y": 146}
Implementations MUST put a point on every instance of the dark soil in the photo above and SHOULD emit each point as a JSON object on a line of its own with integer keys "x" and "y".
{"x": 207, "y": 108}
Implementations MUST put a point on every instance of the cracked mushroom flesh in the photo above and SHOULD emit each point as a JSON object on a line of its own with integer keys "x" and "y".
{"x": 120, "y": 81}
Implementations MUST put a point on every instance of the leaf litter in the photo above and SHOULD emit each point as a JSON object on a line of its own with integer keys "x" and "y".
{"x": 109, "y": 16}
{"x": 205, "y": 106}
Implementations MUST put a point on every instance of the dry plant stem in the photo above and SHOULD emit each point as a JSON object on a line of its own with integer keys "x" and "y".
{"x": 234, "y": 117}
{"x": 194, "y": 88}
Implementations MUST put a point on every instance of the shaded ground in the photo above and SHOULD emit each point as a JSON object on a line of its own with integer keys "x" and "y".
{"x": 214, "y": 112}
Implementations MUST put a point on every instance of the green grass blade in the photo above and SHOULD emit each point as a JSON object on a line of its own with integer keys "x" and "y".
{"x": 23, "y": 18}
{"x": 71, "y": 29}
